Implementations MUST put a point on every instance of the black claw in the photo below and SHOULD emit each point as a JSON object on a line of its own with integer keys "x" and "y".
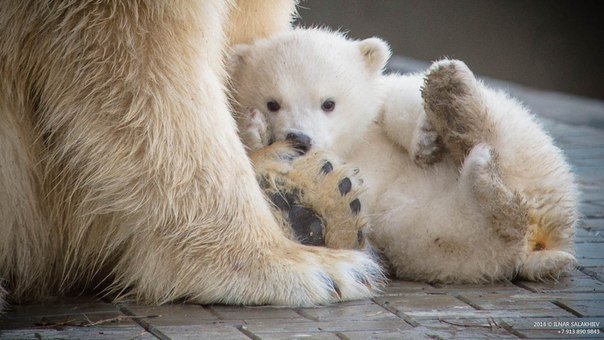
{"x": 327, "y": 168}
{"x": 355, "y": 171}
{"x": 360, "y": 237}
{"x": 345, "y": 186}
{"x": 307, "y": 226}
{"x": 355, "y": 206}
{"x": 334, "y": 286}
{"x": 361, "y": 278}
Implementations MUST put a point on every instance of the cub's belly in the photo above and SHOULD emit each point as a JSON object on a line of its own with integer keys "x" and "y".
{"x": 381, "y": 164}
{"x": 389, "y": 175}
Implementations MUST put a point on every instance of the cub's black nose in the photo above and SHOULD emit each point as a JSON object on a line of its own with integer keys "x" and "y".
{"x": 299, "y": 141}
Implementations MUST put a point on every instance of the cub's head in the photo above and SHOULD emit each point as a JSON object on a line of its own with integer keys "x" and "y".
{"x": 311, "y": 84}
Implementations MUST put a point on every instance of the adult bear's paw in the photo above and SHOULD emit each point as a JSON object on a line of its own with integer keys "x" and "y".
{"x": 314, "y": 196}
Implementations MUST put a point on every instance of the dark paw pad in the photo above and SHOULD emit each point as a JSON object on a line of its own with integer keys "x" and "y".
{"x": 345, "y": 186}
{"x": 327, "y": 168}
{"x": 307, "y": 226}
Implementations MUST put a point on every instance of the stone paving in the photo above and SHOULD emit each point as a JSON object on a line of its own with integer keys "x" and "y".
{"x": 572, "y": 307}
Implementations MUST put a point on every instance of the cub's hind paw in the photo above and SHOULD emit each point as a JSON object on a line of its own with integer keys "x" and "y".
{"x": 454, "y": 105}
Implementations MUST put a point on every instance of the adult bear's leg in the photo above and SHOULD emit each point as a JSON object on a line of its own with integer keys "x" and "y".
{"x": 143, "y": 165}
{"x": 27, "y": 244}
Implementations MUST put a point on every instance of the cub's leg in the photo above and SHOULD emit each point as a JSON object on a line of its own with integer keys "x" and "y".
{"x": 454, "y": 106}
{"x": 466, "y": 113}
{"x": 404, "y": 121}
{"x": 454, "y": 228}
{"x": 506, "y": 212}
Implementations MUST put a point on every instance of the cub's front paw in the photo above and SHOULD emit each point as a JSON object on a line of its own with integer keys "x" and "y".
{"x": 254, "y": 131}
{"x": 427, "y": 146}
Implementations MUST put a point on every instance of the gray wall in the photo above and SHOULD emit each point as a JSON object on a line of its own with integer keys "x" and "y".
{"x": 556, "y": 45}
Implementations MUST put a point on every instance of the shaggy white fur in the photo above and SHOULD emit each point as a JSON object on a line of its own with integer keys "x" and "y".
{"x": 120, "y": 165}
{"x": 463, "y": 185}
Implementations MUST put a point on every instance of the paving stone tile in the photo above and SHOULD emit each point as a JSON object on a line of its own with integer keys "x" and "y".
{"x": 593, "y": 224}
{"x": 99, "y": 320}
{"x": 393, "y": 335}
{"x": 244, "y": 313}
{"x": 553, "y": 328}
{"x": 577, "y": 282}
{"x": 299, "y": 335}
{"x": 62, "y": 306}
{"x": 552, "y": 297}
{"x": 591, "y": 210}
{"x": 397, "y": 287}
{"x": 591, "y": 193}
{"x": 203, "y": 332}
{"x": 594, "y": 271}
{"x": 284, "y": 326}
{"x": 425, "y": 305}
{"x": 444, "y": 306}
{"x": 521, "y": 305}
{"x": 62, "y": 313}
{"x": 473, "y": 328}
{"x": 499, "y": 287}
{"x": 583, "y": 262}
{"x": 587, "y": 236}
{"x": 78, "y": 333}
{"x": 363, "y": 312}
{"x": 590, "y": 250}
{"x": 589, "y": 306}
{"x": 173, "y": 314}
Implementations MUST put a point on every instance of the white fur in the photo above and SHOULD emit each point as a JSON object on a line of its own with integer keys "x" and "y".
{"x": 449, "y": 222}
{"x": 120, "y": 164}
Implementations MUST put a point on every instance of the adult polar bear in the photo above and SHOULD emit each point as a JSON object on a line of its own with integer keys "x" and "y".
{"x": 120, "y": 163}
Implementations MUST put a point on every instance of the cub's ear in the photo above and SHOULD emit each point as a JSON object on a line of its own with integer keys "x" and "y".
{"x": 236, "y": 56}
{"x": 375, "y": 52}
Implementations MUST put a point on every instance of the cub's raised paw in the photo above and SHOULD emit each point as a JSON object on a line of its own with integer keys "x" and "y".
{"x": 455, "y": 107}
{"x": 427, "y": 147}
{"x": 315, "y": 197}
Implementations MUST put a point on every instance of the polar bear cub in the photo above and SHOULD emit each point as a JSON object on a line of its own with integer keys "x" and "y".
{"x": 463, "y": 185}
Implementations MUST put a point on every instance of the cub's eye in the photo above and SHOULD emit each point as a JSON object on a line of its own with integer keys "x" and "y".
{"x": 328, "y": 105}
{"x": 273, "y": 106}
